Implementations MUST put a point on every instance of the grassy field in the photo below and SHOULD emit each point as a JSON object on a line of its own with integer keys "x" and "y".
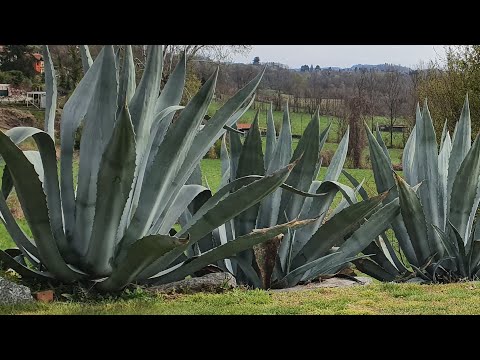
{"x": 382, "y": 299}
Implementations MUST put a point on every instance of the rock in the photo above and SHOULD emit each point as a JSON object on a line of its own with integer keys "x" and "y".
{"x": 11, "y": 293}
{"x": 333, "y": 282}
{"x": 215, "y": 282}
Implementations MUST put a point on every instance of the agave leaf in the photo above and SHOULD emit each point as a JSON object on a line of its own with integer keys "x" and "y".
{"x": 303, "y": 174}
{"x": 356, "y": 243}
{"x": 46, "y": 168}
{"x": 444, "y": 134}
{"x": 22, "y": 270}
{"x": 127, "y": 83}
{"x": 270, "y": 206}
{"x": 99, "y": 124}
{"x": 238, "y": 245}
{"x": 138, "y": 256}
{"x": 143, "y": 104}
{"x": 249, "y": 272}
{"x": 464, "y": 191}
{"x": 87, "y": 61}
{"x": 235, "y": 151}
{"x": 158, "y": 179}
{"x": 323, "y": 140}
{"x": 250, "y": 163}
{"x": 381, "y": 142}
{"x": 115, "y": 179}
{"x": 461, "y": 144}
{"x": 415, "y": 222}
{"x": 34, "y": 204}
{"x": 17, "y": 234}
{"x": 443, "y": 158}
{"x": 382, "y": 258}
{"x": 356, "y": 184}
{"x": 474, "y": 259}
{"x": 409, "y": 169}
{"x": 73, "y": 113}
{"x": 225, "y": 159}
{"x": 51, "y": 89}
{"x": 333, "y": 231}
{"x": 271, "y": 137}
{"x": 374, "y": 270}
{"x": 186, "y": 195}
{"x": 218, "y": 210}
{"x": 462, "y": 259}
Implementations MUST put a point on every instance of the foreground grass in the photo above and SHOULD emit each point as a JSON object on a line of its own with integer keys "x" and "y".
{"x": 382, "y": 299}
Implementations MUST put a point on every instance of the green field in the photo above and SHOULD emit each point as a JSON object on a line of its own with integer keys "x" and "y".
{"x": 383, "y": 299}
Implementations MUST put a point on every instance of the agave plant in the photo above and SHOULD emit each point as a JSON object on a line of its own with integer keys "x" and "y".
{"x": 299, "y": 254}
{"x": 135, "y": 167}
{"x": 437, "y": 231}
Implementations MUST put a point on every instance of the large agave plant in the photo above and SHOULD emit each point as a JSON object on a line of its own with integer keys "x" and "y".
{"x": 437, "y": 231}
{"x": 134, "y": 176}
{"x": 304, "y": 253}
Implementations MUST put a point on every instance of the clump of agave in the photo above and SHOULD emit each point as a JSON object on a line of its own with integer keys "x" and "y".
{"x": 303, "y": 254}
{"x": 135, "y": 167}
{"x": 437, "y": 232}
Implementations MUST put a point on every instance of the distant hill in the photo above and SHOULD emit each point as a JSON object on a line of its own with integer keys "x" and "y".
{"x": 378, "y": 67}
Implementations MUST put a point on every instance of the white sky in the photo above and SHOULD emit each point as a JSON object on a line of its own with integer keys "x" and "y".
{"x": 342, "y": 55}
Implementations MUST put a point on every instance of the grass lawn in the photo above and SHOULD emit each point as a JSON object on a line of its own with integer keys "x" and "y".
{"x": 399, "y": 299}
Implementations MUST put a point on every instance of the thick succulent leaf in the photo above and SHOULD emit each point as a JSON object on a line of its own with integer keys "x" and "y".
{"x": 381, "y": 258}
{"x": 17, "y": 234}
{"x": 461, "y": 144}
{"x": 336, "y": 164}
{"x": 444, "y": 134}
{"x": 138, "y": 256}
{"x": 284, "y": 255}
{"x": 318, "y": 209}
{"x": 45, "y": 165}
{"x": 22, "y": 270}
{"x": 225, "y": 159}
{"x": 303, "y": 174}
{"x": 87, "y": 61}
{"x": 229, "y": 249}
{"x": 214, "y": 127}
{"x": 336, "y": 229}
{"x": 34, "y": 204}
{"x": 157, "y": 184}
{"x": 143, "y": 104}
{"x": 450, "y": 245}
{"x": 374, "y": 270}
{"x": 462, "y": 259}
{"x": 356, "y": 184}
{"x": 172, "y": 92}
{"x": 323, "y": 140}
{"x": 380, "y": 141}
{"x": 51, "y": 90}
{"x": 73, "y": 113}
{"x": 443, "y": 158}
{"x": 127, "y": 83}
{"x": 99, "y": 125}
{"x": 356, "y": 243}
{"x": 464, "y": 191}
{"x": 250, "y": 163}
{"x": 270, "y": 206}
{"x": 381, "y": 166}
{"x": 219, "y": 209}
{"x": 409, "y": 168}
{"x": 235, "y": 151}
{"x": 115, "y": 178}
{"x": 415, "y": 222}
{"x": 474, "y": 259}
{"x": 248, "y": 271}
{"x": 271, "y": 137}
{"x": 185, "y": 196}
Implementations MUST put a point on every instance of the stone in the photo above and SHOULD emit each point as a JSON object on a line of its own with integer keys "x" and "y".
{"x": 215, "y": 283}
{"x": 333, "y": 282}
{"x": 11, "y": 293}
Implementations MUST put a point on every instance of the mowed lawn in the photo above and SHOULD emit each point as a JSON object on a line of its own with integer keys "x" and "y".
{"x": 382, "y": 299}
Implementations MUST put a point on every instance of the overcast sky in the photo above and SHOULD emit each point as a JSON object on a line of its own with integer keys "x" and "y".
{"x": 342, "y": 55}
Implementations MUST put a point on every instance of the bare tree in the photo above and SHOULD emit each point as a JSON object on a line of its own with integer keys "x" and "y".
{"x": 392, "y": 96}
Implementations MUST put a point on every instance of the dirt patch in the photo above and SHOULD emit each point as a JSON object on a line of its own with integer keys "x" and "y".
{"x": 329, "y": 283}
{"x": 11, "y": 117}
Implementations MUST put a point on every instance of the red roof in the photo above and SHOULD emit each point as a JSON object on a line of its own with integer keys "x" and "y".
{"x": 244, "y": 126}
{"x": 38, "y": 56}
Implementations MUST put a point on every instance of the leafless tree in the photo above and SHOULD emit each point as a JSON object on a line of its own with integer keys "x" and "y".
{"x": 392, "y": 96}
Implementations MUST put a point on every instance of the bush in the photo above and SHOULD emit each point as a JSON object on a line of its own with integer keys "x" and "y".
{"x": 326, "y": 156}
{"x": 214, "y": 152}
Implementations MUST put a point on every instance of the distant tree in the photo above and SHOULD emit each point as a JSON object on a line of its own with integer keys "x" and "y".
{"x": 256, "y": 60}
{"x": 311, "y": 68}
{"x": 18, "y": 57}
{"x": 304, "y": 68}
{"x": 317, "y": 68}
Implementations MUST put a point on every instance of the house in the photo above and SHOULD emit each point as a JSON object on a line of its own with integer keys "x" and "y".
{"x": 4, "y": 90}
{"x": 39, "y": 64}
{"x": 244, "y": 127}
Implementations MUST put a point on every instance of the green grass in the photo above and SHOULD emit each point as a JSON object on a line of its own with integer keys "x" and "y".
{"x": 398, "y": 299}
